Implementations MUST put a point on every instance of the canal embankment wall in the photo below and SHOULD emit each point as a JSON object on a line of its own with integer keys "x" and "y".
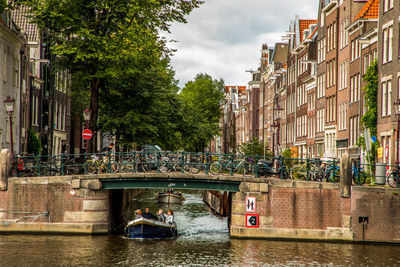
{"x": 61, "y": 205}
{"x": 302, "y": 210}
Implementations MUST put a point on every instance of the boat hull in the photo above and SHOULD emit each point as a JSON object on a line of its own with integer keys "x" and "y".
{"x": 172, "y": 198}
{"x": 146, "y": 228}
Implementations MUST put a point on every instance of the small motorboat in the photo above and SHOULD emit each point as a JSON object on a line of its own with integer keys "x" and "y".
{"x": 170, "y": 197}
{"x": 147, "y": 228}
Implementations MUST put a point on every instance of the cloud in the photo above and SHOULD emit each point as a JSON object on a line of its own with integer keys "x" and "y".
{"x": 223, "y": 38}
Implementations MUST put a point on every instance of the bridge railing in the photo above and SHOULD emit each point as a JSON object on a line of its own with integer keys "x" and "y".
{"x": 180, "y": 161}
{"x": 193, "y": 162}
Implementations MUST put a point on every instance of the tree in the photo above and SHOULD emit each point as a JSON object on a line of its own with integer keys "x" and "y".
{"x": 201, "y": 100}
{"x": 3, "y": 5}
{"x": 143, "y": 108}
{"x": 255, "y": 148}
{"x": 370, "y": 118}
{"x": 96, "y": 40}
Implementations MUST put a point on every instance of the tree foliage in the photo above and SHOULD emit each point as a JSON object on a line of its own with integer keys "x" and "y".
{"x": 34, "y": 145}
{"x": 369, "y": 120}
{"x": 201, "y": 108}
{"x": 3, "y": 5}
{"x": 143, "y": 108}
{"x": 255, "y": 148}
{"x": 102, "y": 43}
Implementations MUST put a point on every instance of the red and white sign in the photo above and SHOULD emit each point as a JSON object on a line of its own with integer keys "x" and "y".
{"x": 72, "y": 193}
{"x": 252, "y": 221}
{"x": 250, "y": 204}
{"x": 87, "y": 134}
{"x": 387, "y": 152}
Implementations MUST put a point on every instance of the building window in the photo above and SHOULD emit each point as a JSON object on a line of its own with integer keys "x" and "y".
{"x": 343, "y": 75}
{"x": 387, "y": 35}
{"x": 386, "y": 98}
{"x": 387, "y": 5}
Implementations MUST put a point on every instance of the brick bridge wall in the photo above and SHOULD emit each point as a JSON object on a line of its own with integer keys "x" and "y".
{"x": 71, "y": 208}
{"x": 316, "y": 211}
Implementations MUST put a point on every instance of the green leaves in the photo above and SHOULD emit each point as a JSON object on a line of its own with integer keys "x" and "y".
{"x": 118, "y": 61}
{"x": 370, "y": 118}
{"x": 201, "y": 110}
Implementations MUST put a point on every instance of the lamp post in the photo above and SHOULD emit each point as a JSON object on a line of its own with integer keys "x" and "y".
{"x": 9, "y": 104}
{"x": 277, "y": 124}
{"x": 86, "y": 116}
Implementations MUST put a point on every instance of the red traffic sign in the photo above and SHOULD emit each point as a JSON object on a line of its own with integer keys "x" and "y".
{"x": 87, "y": 134}
{"x": 252, "y": 220}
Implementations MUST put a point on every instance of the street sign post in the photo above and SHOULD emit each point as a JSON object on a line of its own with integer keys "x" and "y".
{"x": 87, "y": 134}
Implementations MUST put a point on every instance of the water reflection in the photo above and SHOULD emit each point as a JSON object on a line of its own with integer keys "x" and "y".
{"x": 203, "y": 241}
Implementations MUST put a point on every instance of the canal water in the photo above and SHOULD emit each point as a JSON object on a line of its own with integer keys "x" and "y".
{"x": 203, "y": 241}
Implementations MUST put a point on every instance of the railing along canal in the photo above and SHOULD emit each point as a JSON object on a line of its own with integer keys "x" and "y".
{"x": 192, "y": 162}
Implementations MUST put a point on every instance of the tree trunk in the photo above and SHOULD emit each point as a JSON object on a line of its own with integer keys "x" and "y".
{"x": 94, "y": 106}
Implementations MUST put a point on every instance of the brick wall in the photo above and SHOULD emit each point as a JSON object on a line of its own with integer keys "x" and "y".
{"x": 382, "y": 208}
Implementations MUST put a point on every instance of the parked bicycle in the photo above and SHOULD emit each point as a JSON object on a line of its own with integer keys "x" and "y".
{"x": 332, "y": 172}
{"x": 97, "y": 165}
{"x": 174, "y": 162}
{"x": 393, "y": 180}
{"x": 266, "y": 168}
{"x": 359, "y": 176}
{"x": 245, "y": 166}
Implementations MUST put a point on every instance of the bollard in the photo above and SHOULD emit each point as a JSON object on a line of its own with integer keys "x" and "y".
{"x": 345, "y": 176}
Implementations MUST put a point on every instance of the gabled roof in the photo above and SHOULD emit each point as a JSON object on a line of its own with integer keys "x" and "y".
{"x": 21, "y": 17}
{"x": 304, "y": 24}
{"x": 369, "y": 11}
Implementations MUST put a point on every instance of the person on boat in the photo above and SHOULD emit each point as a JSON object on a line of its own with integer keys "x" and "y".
{"x": 161, "y": 216}
{"x": 138, "y": 214}
{"x": 169, "y": 218}
{"x": 148, "y": 215}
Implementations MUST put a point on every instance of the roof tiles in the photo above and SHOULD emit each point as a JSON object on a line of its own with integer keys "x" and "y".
{"x": 304, "y": 24}
{"x": 369, "y": 11}
{"x": 22, "y": 19}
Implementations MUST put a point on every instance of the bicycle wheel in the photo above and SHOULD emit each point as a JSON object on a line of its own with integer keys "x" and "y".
{"x": 333, "y": 176}
{"x": 392, "y": 179}
{"x": 195, "y": 167}
{"x": 164, "y": 165}
{"x": 363, "y": 177}
{"x": 114, "y": 166}
{"x": 249, "y": 169}
{"x": 143, "y": 166}
{"x": 91, "y": 167}
{"x": 215, "y": 167}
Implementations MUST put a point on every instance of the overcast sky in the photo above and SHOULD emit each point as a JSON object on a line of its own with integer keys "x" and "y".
{"x": 223, "y": 37}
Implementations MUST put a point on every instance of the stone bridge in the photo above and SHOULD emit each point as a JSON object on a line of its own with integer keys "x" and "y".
{"x": 283, "y": 209}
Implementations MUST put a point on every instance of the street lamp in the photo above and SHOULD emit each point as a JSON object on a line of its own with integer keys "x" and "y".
{"x": 86, "y": 116}
{"x": 9, "y": 104}
{"x": 277, "y": 124}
